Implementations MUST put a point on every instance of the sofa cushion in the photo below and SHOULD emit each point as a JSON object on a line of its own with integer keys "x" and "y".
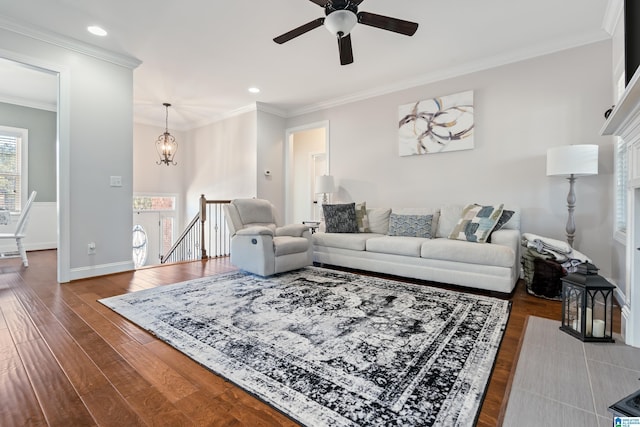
{"x": 353, "y": 241}
{"x": 476, "y": 223}
{"x": 361, "y": 217}
{"x": 410, "y": 225}
{"x": 468, "y": 252}
{"x": 285, "y": 245}
{"x": 449, "y": 216}
{"x": 379, "y": 220}
{"x": 396, "y": 245}
{"x": 340, "y": 218}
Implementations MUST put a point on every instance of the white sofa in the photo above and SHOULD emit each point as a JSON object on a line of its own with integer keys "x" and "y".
{"x": 491, "y": 266}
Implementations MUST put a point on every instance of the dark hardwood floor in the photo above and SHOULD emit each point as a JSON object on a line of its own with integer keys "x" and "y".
{"x": 66, "y": 360}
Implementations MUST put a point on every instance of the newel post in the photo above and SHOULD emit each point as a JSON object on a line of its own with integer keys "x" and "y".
{"x": 203, "y": 219}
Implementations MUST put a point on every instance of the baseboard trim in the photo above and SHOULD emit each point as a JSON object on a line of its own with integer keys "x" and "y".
{"x": 100, "y": 270}
{"x": 29, "y": 246}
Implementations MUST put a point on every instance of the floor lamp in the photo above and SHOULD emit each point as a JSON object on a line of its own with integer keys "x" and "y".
{"x": 572, "y": 161}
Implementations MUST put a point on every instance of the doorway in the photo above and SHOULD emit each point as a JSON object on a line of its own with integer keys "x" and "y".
{"x": 154, "y": 219}
{"x": 307, "y": 157}
{"x": 29, "y": 109}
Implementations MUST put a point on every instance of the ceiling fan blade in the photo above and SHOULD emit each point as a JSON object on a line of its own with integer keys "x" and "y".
{"x": 387, "y": 23}
{"x": 321, "y": 3}
{"x": 344, "y": 47}
{"x": 299, "y": 31}
{"x": 357, "y": 2}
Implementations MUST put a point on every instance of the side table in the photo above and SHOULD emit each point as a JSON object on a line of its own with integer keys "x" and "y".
{"x": 313, "y": 225}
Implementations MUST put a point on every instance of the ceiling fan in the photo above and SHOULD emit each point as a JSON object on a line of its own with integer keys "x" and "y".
{"x": 341, "y": 17}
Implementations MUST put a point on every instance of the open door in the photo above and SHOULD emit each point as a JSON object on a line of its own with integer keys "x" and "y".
{"x": 307, "y": 156}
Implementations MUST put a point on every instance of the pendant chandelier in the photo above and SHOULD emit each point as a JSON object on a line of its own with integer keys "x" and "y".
{"x": 166, "y": 144}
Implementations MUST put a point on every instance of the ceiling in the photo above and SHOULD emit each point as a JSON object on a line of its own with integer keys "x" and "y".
{"x": 203, "y": 55}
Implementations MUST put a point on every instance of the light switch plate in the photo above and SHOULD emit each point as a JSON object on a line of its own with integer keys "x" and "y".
{"x": 116, "y": 181}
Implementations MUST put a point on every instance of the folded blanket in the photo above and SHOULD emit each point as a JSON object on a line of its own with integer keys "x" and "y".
{"x": 575, "y": 259}
{"x": 542, "y": 244}
{"x": 561, "y": 251}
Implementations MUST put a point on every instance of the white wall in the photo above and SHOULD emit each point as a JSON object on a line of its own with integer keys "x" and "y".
{"x": 270, "y": 156}
{"x": 521, "y": 110}
{"x": 41, "y": 229}
{"x": 95, "y": 136}
{"x": 220, "y": 161}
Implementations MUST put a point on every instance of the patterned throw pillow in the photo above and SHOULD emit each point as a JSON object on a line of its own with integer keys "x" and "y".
{"x": 504, "y": 218}
{"x": 410, "y": 225}
{"x": 361, "y": 217}
{"x": 340, "y": 218}
{"x": 476, "y": 223}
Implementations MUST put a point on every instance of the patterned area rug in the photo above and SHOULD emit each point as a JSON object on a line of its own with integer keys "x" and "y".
{"x": 330, "y": 348}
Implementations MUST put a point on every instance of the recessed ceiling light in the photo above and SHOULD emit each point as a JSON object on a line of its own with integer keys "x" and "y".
{"x": 254, "y": 90}
{"x": 97, "y": 31}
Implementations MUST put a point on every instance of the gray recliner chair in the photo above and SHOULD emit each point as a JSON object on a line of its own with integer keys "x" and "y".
{"x": 258, "y": 245}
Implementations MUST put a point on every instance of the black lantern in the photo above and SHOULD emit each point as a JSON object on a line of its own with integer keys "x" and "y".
{"x": 587, "y": 305}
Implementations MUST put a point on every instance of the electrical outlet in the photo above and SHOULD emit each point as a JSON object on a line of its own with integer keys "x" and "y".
{"x": 91, "y": 248}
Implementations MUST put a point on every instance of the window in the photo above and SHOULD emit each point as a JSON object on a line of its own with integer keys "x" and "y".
{"x": 13, "y": 168}
{"x": 154, "y": 203}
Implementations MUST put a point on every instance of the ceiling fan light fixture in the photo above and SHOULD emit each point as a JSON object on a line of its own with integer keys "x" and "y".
{"x": 340, "y": 22}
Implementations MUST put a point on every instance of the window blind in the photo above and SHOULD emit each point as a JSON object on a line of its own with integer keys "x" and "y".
{"x": 10, "y": 168}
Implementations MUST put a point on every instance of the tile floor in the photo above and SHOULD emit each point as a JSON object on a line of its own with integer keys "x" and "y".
{"x": 561, "y": 381}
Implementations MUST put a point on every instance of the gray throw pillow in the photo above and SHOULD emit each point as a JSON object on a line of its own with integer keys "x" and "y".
{"x": 504, "y": 218}
{"x": 410, "y": 225}
{"x": 340, "y": 218}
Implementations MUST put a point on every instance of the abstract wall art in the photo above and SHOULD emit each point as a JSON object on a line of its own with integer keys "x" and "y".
{"x": 436, "y": 125}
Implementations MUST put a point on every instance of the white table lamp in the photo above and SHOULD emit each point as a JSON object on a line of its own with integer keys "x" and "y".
{"x": 324, "y": 186}
{"x": 572, "y": 161}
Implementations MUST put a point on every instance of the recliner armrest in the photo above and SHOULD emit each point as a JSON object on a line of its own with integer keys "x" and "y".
{"x": 293, "y": 230}
{"x": 255, "y": 230}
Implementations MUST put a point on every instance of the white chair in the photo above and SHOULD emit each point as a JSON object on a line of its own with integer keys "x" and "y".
{"x": 258, "y": 245}
{"x": 20, "y": 232}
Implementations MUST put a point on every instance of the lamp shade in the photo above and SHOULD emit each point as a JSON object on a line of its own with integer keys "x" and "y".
{"x": 577, "y": 160}
{"x": 324, "y": 184}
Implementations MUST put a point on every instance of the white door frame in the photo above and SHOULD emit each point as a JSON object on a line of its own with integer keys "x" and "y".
{"x": 63, "y": 160}
{"x": 313, "y": 161}
{"x": 288, "y": 163}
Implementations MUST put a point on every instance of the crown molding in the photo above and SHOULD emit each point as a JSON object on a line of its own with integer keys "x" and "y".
{"x": 267, "y": 108}
{"x": 448, "y": 73}
{"x": 226, "y": 115}
{"x": 23, "y": 102}
{"x": 436, "y": 76}
{"x": 258, "y": 106}
{"x": 69, "y": 43}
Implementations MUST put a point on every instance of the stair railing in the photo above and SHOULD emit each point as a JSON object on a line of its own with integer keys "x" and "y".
{"x": 201, "y": 234}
